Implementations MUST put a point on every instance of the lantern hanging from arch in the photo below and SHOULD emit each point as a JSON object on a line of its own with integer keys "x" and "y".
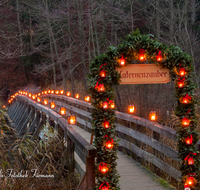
{"x": 190, "y": 181}
{"x": 105, "y": 105}
{"x": 181, "y": 82}
{"x": 104, "y": 186}
{"x": 186, "y": 99}
{"x": 188, "y": 140}
{"x": 109, "y": 143}
{"x": 190, "y": 161}
{"x": 142, "y": 55}
{"x": 122, "y": 61}
{"x": 103, "y": 168}
{"x": 106, "y": 124}
{"x": 103, "y": 73}
{"x": 182, "y": 71}
{"x": 185, "y": 122}
{"x": 159, "y": 56}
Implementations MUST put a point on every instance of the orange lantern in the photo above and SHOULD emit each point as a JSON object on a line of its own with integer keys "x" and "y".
{"x": 182, "y": 71}
{"x": 45, "y": 101}
{"x": 42, "y": 92}
{"x": 39, "y": 94}
{"x": 188, "y": 140}
{"x": 142, "y": 55}
{"x": 57, "y": 91}
{"x": 185, "y": 121}
{"x": 122, "y": 61}
{"x": 9, "y": 101}
{"x": 52, "y": 92}
{"x": 190, "y": 161}
{"x": 33, "y": 97}
{"x": 87, "y": 98}
{"x": 105, "y": 105}
{"x": 181, "y": 83}
{"x": 68, "y": 93}
{"x": 77, "y": 96}
{"x": 190, "y": 181}
{"x": 30, "y": 95}
{"x": 72, "y": 119}
{"x": 49, "y": 91}
{"x": 103, "y": 167}
{"x": 106, "y": 124}
{"x": 109, "y": 144}
{"x": 4, "y": 106}
{"x": 131, "y": 108}
{"x": 62, "y": 111}
{"x": 186, "y": 187}
{"x": 186, "y": 99}
{"x": 103, "y": 73}
{"x": 45, "y": 92}
{"x": 153, "y": 116}
{"x": 159, "y": 58}
{"x": 112, "y": 105}
{"x": 101, "y": 88}
{"x": 104, "y": 186}
{"x": 52, "y": 105}
{"x": 38, "y": 99}
{"x": 61, "y": 91}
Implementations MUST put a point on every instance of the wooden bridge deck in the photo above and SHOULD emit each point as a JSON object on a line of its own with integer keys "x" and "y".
{"x": 133, "y": 175}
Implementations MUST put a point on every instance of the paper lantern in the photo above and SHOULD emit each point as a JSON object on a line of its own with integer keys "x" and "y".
{"x": 104, "y": 186}
{"x": 68, "y": 93}
{"x": 103, "y": 73}
{"x": 103, "y": 167}
{"x": 186, "y": 99}
{"x": 29, "y": 95}
{"x": 182, "y": 71}
{"x": 42, "y": 92}
{"x": 52, "y": 92}
{"x": 122, "y": 61}
{"x": 131, "y": 108}
{"x": 112, "y": 105}
{"x": 49, "y": 91}
{"x": 45, "y": 101}
{"x": 106, "y": 124}
{"x": 188, "y": 140}
{"x": 34, "y": 97}
{"x": 185, "y": 121}
{"x": 4, "y": 106}
{"x": 77, "y": 96}
{"x": 45, "y": 92}
{"x": 105, "y": 105}
{"x": 71, "y": 119}
{"x": 38, "y": 99}
{"x": 39, "y": 94}
{"x": 159, "y": 58}
{"x": 52, "y": 105}
{"x": 87, "y": 98}
{"x": 190, "y": 181}
{"x": 9, "y": 101}
{"x": 153, "y": 116}
{"x": 142, "y": 55}
{"x": 61, "y": 91}
{"x": 109, "y": 144}
{"x": 101, "y": 88}
{"x": 62, "y": 111}
{"x": 190, "y": 161}
{"x": 181, "y": 83}
{"x": 57, "y": 91}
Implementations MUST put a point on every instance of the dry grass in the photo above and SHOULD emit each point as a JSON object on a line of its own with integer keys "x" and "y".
{"x": 39, "y": 157}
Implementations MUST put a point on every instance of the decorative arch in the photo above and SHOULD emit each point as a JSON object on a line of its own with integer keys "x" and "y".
{"x": 102, "y": 92}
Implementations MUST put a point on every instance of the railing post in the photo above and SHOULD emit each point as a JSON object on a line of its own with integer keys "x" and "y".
{"x": 90, "y": 172}
{"x": 70, "y": 154}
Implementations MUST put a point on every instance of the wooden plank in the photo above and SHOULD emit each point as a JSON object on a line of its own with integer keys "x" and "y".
{"x": 168, "y": 151}
{"x": 152, "y": 159}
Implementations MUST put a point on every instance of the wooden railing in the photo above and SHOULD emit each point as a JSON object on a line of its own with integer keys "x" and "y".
{"x": 24, "y": 111}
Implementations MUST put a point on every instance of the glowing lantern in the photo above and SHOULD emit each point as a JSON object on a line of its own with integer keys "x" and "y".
{"x": 42, "y": 92}
{"x": 112, "y": 105}
{"x": 101, "y": 88}
{"x": 122, "y": 61}
{"x": 45, "y": 101}
{"x": 9, "y": 101}
{"x": 159, "y": 56}
{"x": 45, "y": 92}
{"x": 72, "y": 120}
{"x": 49, "y": 91}
{"x": 52, "y": 92}
{"x": 142, "y": 55}
{"x": 181, "y": 83}
{"x": 182, "y": 71}
{"x": 153, "y": 116}
{"x": 62, "y": 111}
{"x": 68, "y": 93}
{"x": 77, "y": 96}
{"x": 103, "y": 167}
{"x": 33, "y": 97}
{"x": 24, "y": 92}
{"x": 188, "y": 140}
{"x": 39, "y": 94}
{"x": 4, "y": 106}
{"x": 106, "y": 124}
{"x": 105, "y": 105}
{"x": 38, "y": 99}
{"x": 190, "y": 161}
{"x": 186, "y": 99}
{"x": 109, "y": 144}
{"x": 87, "y": 98}
{"x": 186, "y": 187}
{"x": 104, "y": 186}
{"x": 190, "y": 181}
{"x": 57, "y": 92}
{"x": 61, "y": 91}
{"x": 52, "y": 105}
{"x": 131, "y": 108}
{"x": 103, "y": 73}
{"x": 30, "y": 95}
{"x": 185, "y": 121}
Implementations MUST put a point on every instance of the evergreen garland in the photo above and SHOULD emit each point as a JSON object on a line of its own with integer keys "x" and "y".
{"x": 173, "y": 59}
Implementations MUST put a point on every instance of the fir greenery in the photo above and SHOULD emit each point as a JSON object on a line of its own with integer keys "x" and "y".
{"x": 173, "y": 57}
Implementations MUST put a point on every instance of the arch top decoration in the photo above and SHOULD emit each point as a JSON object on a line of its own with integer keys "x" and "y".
{"x": 104, "y": 77}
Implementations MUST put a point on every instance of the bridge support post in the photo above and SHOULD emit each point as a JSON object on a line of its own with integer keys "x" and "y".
{"x": 70, "y": 154}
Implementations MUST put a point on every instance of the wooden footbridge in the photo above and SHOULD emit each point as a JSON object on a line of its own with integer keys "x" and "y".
{"x": 141, "y": 139}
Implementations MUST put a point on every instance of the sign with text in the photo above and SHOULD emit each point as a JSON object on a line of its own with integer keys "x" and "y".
{"x": 143, "y": 74}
